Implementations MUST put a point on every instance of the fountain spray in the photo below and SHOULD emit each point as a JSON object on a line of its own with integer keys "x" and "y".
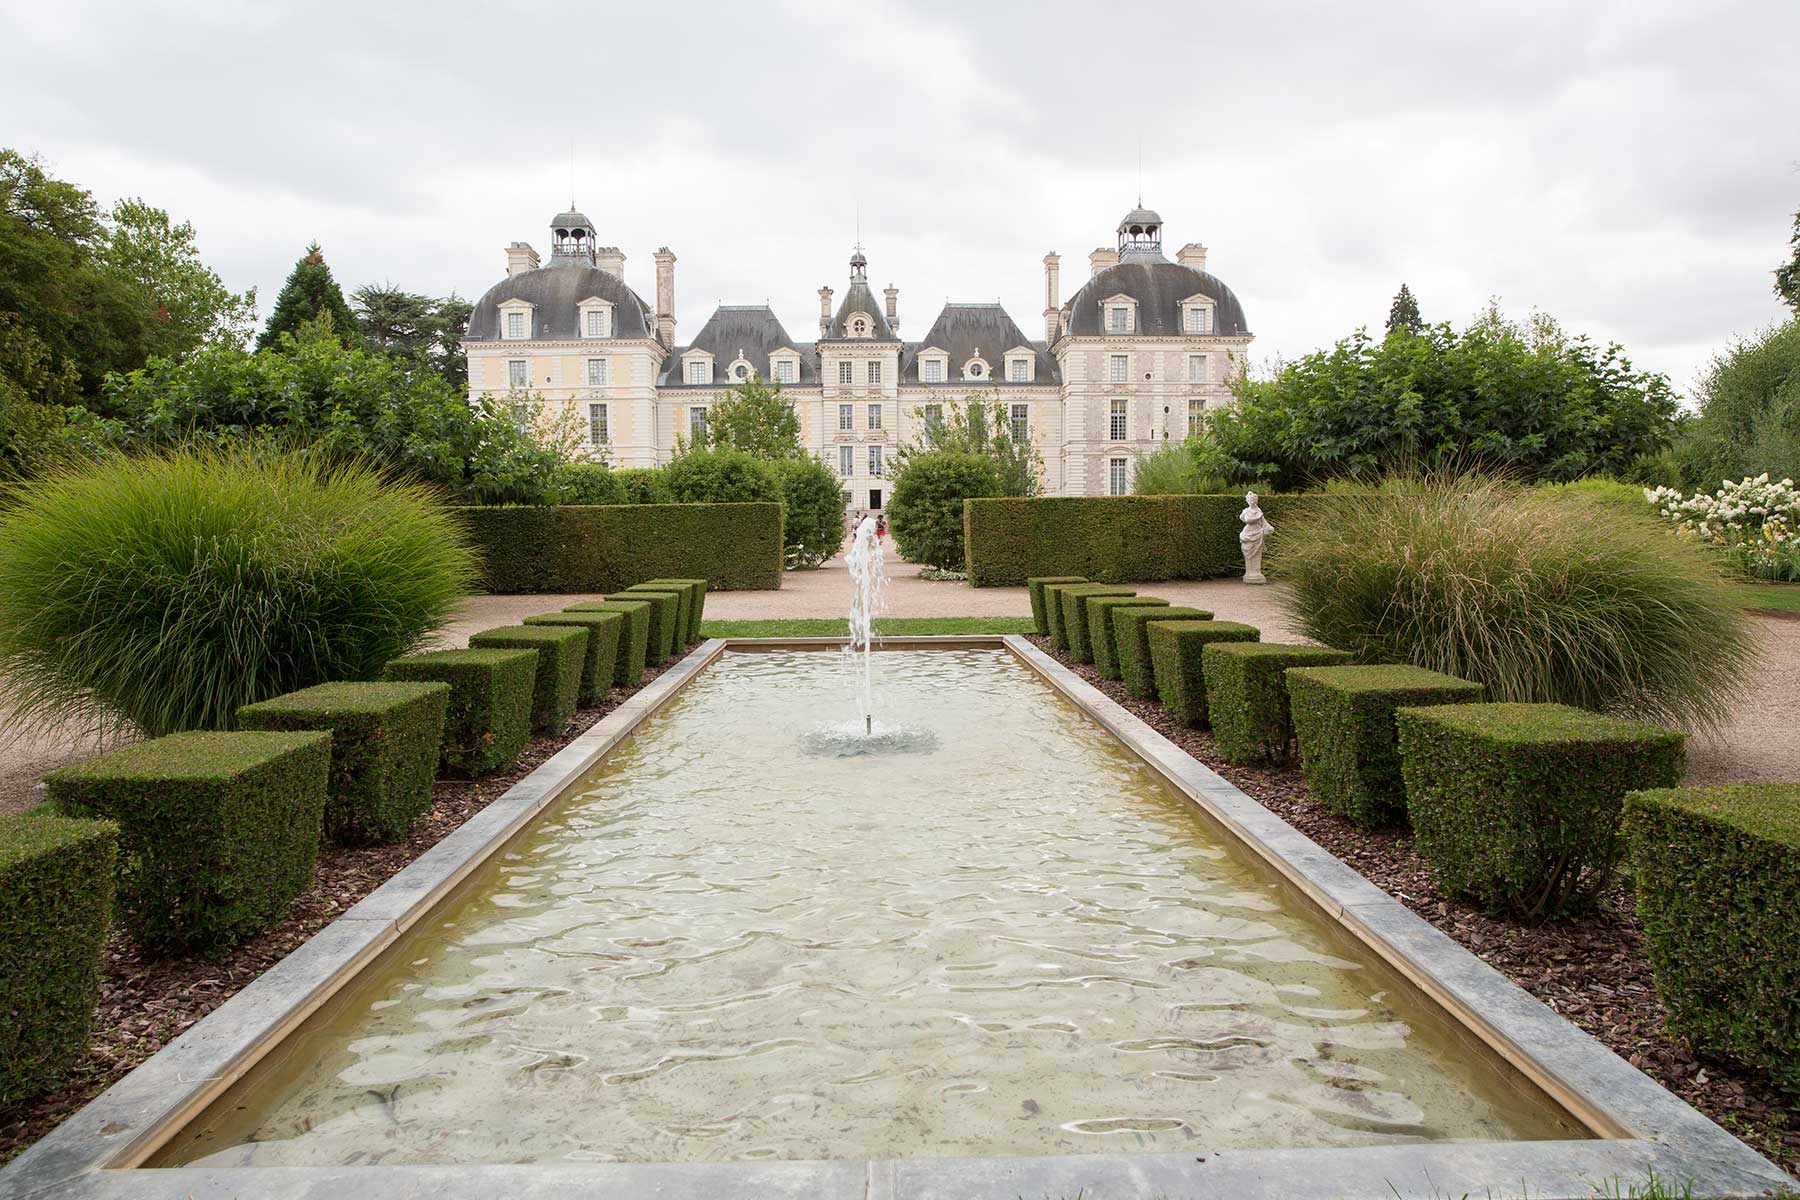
{"x": 870, "y": 579}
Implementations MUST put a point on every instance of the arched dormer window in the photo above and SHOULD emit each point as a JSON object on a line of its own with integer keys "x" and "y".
{"x": 975, "y": 368}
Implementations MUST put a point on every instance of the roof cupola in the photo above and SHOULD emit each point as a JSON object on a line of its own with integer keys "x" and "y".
{"x": 571, "y": 240}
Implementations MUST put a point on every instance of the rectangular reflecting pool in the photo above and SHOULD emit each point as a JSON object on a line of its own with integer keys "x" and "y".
{"x": 1005, "y": 935}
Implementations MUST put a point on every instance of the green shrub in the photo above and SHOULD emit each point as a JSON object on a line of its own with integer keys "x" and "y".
{"x": 925, "y": 513}
{"x": 1623, "y": 501}
{"x": 1168, "y": 470}
{"x": 56, "y": 895}
{"x": 1344, "y": 722}
{"x": 722, "y": 475}
{"x": 814, "y": 504}
{"x": 385, "y": 739}
{"x": 675, "y": 631}
{"x": 663, "y": 608}
{"x": 1116, "y": 539}
{"x": 589, "y": 483}
{"x": 169, "y": 591}
{"x": 606, "y": 630}
{"x": 1525, "y": 592}
{"x": 1175, "y": 653}
{"x": 1053, "y": 613}
{"x": 696, "y": 609}
{"x": 644, "y": 485}
{"x": 1717, "y": 871}
{"x": 1074, "y": 598}
{"x": 488, "y": 718}
{"x": 218, "y": 832}
{"x": 1131, "y": 643}
{"x": 1247, "y": 696}
{"x": 609, "y": 547}
{"x": 1103, "y": 634}
{"x": 562, "y": 650}
{"x": 1035, "y": 586}
{"x": 1518, "y": 805}
{"x": 634, "y": 644}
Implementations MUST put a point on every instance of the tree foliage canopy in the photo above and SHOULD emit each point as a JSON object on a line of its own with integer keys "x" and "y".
{"x": 414, "y": 326}
{"x": 192, "y": 304}
{"x": 1749, "y": 418}
{"x": 978, "y": 424}
{"x": 925, "y": 512}
{"x": 1403, "y": 313}
{"x": 1787, "y": 275}
{"x": 757, "y": 419}
{"x": 309, "y": 297}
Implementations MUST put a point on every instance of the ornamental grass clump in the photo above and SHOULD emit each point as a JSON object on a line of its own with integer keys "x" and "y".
{"x": 167, "y": 592}
{"x": 1538, "y": 596}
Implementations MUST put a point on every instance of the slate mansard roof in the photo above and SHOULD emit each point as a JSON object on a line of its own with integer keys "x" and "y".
{"x": 751, "y": 329}
{"x": 557, "y": 292}
{"x": 860, "y": 299}
{"x": 1159, "y": 286}
{"x": 962, "y": 329}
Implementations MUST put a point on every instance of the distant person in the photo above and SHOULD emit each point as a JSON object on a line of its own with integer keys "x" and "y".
{"x": 881, "y": 525}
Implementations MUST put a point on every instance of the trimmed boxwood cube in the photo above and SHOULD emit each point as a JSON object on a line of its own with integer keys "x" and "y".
{"x": 56, "y": 897}
{"x": 488, "y": 719}
{"x": 1247, "y": 697}
{"x": 1074, "y": 615}
{"x": 385, "y": 740}
{"x": 697, "y": 603}
{"x": 605, "y": 631}
{"x": 663, "y": 607}
{"x": 1103, "y": 639}
{"x": 1518, "y": 805}
{"x": 1053, "y": 613}
{"x": 684, "y": 609}
{"x": 1717, "y": 871}
{"x": 634, "y": 641}
{"x": 1175, "y": 648}
{"x": 1344, "y": 723}
{"x": 218, "y": 832}
{"x": 561, "y": 651}
{"x": 1035, "y": 588}
{"x": 1131, "y": 643}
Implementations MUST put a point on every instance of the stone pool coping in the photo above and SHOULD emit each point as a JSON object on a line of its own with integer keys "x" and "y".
{"x": 1642, "y": 1127}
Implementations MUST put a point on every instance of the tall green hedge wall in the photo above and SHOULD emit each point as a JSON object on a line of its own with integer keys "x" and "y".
{"x": 607, "y": 548}
{"x": 1111, "y": 539}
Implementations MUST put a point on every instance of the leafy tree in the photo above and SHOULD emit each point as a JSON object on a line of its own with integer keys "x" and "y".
{"x": 192, "y": 305}
{"x": 1403, "y": 313}
{"x": 979, "y": 425}
{"x": 757, "y": 419}
{"x": 1528, "y": 401}
{"x": 1787, "y": 275}
{"x": 813, "y": 522}
{"x": 412, "y": 325}
{"x": 1749, "y": 418}
{"x": 720, "y": 475}
{"x": 925, "y": 512}
{"x": 1168, "y": 470}
{"x": 32, "y": 394}
{"x": 309, "y": 293}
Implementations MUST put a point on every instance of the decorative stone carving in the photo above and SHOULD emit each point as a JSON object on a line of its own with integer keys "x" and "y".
{"x": 1256, "y": 530}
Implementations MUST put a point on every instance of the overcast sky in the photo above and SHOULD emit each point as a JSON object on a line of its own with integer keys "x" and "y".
{"x": 1630, "y": 168}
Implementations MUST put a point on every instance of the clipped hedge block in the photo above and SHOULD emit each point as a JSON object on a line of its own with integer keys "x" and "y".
{"x": 634, "y": 642}
{"x": 385, "y": 741}
{"x": 488, "y": 717}
{"x": 1717, "y": 871}
{"x": 1175, "y": 654}
{"x": 606, "y": 630}
{"x": 1053, "y": 613}
{"x": 697, "y": 594}
{"x": 1247, "y": 696}
{"x": 1035, "y": 587}
{"x": 661, "y": 639}
{"x": 1518, "y": 805}
{"x": 684, "y": 610}
{"x": 1131, "y": 643}
{"x": 561, "y": 650}
{"x": 1344, "y": 723}
{"x": 218, "y": 832}
{"x": 1074, "y": 616}
{"x": 1103, "y": 639}
{"x": 56, "y": 897}
{"x": 604, "y": 548}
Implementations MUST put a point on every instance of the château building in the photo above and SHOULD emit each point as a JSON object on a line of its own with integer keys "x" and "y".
{"x": 1126, "y": 364}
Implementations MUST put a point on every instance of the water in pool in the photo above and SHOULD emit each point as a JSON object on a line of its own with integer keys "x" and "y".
{"x": 1012, "y": 940}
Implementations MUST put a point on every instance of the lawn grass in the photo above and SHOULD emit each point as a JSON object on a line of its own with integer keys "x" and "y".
{"x": 840, "y": 627}
{"x": 1783, "y": 597}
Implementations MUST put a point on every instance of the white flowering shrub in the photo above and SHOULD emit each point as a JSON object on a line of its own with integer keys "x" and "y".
{"x": 1755, "y": 521}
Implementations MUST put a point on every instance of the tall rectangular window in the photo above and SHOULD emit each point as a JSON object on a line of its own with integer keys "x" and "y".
{"x": 874, "y": 372}
{"x": 845, "y": 371}
{"x": 1115, "y": 478}
{"x": 874, "y": 460}
{"x": 517, "y": 373}
{"x": 1196, "y": 422}
{"x": 846, "y": 461}
{"x": 787, "y": 371}
{"x": 846, "y": 495}
{"x": 846, "y": 417}
{"x": 596, "y": 372}
{"x": 515, "y": 324}
{"x": 697, "y": 424}
{"x": 932, "y": 370}
{"x": 1196, "y": 368}
{"x": 1017, "y": 370}
{"x": 1196, "y": 320}
{"x": 596, "y": 322}
{"x": 1021, "y": 423}
{"x": 874, "y": 416}
{"x": 1118, "y": 368}
{"x": 1118, "y": 319}
{"x": 1118, "y": 429}
{"x": 598, "y": 434}
{"x": 699, "y": 371}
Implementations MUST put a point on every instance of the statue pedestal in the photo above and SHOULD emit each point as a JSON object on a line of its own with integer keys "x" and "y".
{"x": 1254, "y": 577}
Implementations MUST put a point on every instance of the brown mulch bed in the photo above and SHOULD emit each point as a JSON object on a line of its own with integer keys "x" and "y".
{"x": 147, "y": 1002}
{"x": 1592, "y": 970}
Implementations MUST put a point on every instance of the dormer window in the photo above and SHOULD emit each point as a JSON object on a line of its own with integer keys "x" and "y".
{"x": 859, "y": 326}
{"x": 975, "y": 368}
{"x": 596, "y": 318}
{"x": 515, "y": 326}
{"x": 697, "y": 370}
{"x": 934, "y": 368}
{"x": 515, "y": 320}
{"x": 596, "y": 322}
{"x": 785, "y": 370}
{"x": 1197, "y": 315}
{"x": 1118, "y": 319}
{"x": 1020, "y": 366}
{"x": 739, "y": 370}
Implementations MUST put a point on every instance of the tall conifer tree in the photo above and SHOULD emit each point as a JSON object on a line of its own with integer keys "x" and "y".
{"x": 309, "y": 293}
{"x": 1404, "y": 312}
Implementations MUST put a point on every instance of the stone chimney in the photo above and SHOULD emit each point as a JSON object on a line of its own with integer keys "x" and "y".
{"x": 1192, "y": 255}
{"x": 893, "y": 307}
{"x": 1103, "y": 258}
{"x": 665, "y": 297}
{"x": 611, "y": 259}
{"x": 824, "y": 311}
{"x": 1052, "y": 296}
{"x": 520, "y": 258}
